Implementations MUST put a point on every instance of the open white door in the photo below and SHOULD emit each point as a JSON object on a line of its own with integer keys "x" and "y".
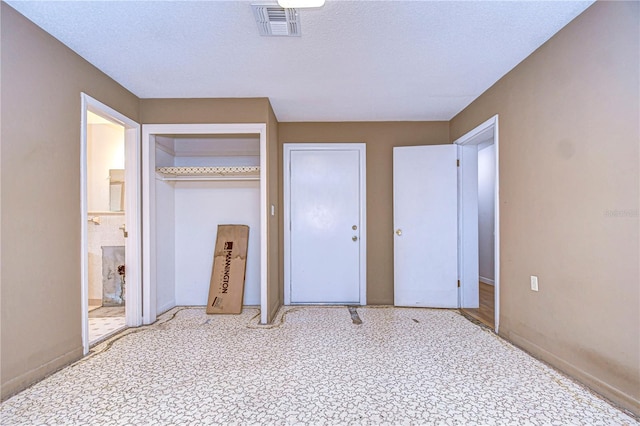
{"x": 425, "y": 214}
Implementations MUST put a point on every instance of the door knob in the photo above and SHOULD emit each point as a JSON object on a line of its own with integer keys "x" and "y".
{"x": 399, "y": 232}
{"x": 354, "y": 238}
{"x": 354, "y": 227}
{"x": 123, "y": 228}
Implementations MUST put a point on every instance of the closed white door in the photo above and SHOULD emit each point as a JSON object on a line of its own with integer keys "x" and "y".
{"x": 324, "y": 245}
{"x": 425, "y": 225}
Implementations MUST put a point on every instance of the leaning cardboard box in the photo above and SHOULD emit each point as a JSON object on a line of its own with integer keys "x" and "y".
{"x": 229, "y": 268}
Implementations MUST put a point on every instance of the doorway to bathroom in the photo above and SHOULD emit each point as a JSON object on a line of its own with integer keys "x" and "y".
{"x": 110, "y": 222}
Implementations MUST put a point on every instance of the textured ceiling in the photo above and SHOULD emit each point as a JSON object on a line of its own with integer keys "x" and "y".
{"x": 355, "y": 61}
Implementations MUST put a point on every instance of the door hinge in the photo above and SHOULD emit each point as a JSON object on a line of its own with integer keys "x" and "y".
{"x": 458, "y": 283}
{"x": 457, "y": 163}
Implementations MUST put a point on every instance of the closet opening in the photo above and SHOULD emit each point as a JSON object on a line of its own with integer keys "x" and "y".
{"x": 196, "y": 178}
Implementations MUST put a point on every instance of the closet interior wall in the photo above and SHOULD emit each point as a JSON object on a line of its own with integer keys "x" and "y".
{"x": 190, "y": 206}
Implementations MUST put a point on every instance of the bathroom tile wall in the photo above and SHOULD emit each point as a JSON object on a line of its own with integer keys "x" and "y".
{"x": 107, "y": 233}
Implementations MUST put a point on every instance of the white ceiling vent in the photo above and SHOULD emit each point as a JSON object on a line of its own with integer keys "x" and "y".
{"x": 273, "y": 20}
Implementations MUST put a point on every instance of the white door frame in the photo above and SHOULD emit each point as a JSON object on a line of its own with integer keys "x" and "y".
{"x": 361, "y": 148}
{"x": 149, "y": 131}
{"x": 482, "y": 133}
{"x": 133, "y": 303}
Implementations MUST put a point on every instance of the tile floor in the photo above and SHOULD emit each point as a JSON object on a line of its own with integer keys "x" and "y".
{"x": 104, "y": 321}
{"x": 107, "y": 311}
{"x": 314, "y": 366}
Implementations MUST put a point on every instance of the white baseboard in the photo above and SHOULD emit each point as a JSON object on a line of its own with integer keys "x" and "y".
{"x": 28, "y": 378}
{"x": 164, "y": 308}
{"x": 606, "y": 390}
{"x": 487, "y": 281}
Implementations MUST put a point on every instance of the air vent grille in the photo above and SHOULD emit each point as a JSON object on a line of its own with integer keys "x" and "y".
{"x": 273, "y": 20}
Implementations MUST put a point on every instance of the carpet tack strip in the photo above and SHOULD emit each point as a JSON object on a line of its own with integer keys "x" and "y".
{"x": 355, "y": 318}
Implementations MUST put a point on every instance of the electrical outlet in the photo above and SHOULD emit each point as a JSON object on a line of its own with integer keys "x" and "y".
{"x": 534, "y": 283}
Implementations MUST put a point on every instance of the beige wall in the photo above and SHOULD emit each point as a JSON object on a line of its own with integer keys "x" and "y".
{"x": 206, "y": 110}
{"x": 569, "y": 157}
{"x": 237, "y": 110}
{"x": 380, "y": 138}
{"x": 275, "y": 296}
{"x": 40, "y": 295}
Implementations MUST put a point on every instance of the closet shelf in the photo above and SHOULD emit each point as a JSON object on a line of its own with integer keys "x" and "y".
{"x": 209, "y": 173}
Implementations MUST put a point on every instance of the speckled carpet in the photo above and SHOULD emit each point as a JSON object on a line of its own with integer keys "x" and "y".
{"x": 314, "y": 366}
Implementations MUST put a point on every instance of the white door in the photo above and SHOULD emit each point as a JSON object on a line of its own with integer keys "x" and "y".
{"x": 425, "y": 210}
{"x": 324, "y": 246}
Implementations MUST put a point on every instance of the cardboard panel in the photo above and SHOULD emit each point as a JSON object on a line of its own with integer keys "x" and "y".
{"x": 229, "y": 267}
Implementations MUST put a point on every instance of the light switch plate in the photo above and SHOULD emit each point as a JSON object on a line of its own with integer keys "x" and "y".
{"x": 534, "y": 283}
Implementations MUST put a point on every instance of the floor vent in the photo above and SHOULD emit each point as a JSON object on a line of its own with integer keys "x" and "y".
{"x": 274, "y": 20}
